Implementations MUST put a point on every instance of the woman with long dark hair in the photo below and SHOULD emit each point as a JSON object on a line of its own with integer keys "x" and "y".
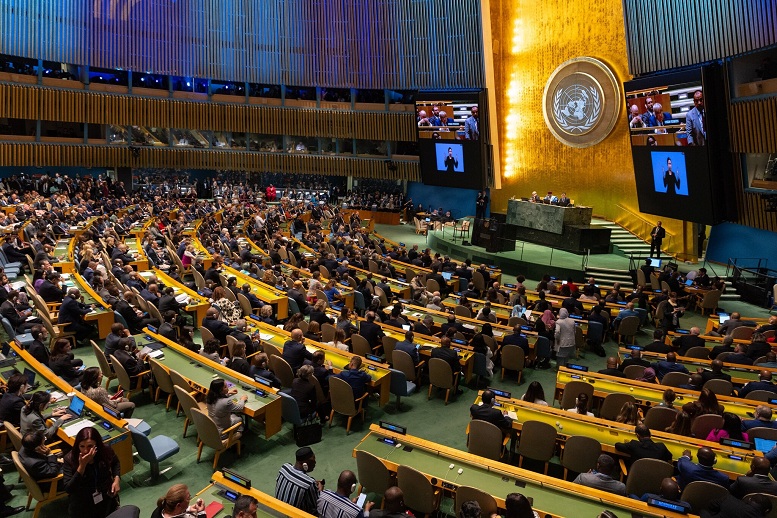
{"x": 732, "y": 428}
{"x": 222, "y": 408}
{"x": 91, "y": 386}
{"x": 32, "y": 415}
{"x": 91, "y": 476}
{"x": 535, "y": 394}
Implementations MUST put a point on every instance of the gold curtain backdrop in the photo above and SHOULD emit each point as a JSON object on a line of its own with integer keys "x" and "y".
{"x": 530, "y": 39}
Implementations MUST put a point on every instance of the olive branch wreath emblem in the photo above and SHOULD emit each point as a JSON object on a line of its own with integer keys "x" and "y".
{"x": 590, "y": 119}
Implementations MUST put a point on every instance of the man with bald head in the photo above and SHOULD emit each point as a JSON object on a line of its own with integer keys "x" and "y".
{"x": 370, "y": 330}
{"x": 763, "y": 419}
{"x": 338, "y": 504}
{"x": 393, "y": 505}
{"x": 756, "y": 480}
{"x": 704, "y": 470}
{"x": 764, "y": 383}
{"x": 670, "y": 491}
{"x": 685, "y": 342}
{"x": 612, "y": 368}
{"x": 295, "y": 352}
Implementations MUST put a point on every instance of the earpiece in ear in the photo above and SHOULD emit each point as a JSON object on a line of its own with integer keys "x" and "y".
{"x": 353, "y": 488}
{"x": 305, "y": 467}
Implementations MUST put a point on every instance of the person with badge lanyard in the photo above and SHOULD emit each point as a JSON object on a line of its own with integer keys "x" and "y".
{"x": 91, "y": 476}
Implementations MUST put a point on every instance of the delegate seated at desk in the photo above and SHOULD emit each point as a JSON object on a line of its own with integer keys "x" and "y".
{"x": 643, "y": 447}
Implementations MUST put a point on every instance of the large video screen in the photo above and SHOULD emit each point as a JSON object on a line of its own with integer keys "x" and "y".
{"x": 667, "y": 121}
{"x": 449, "y": 138}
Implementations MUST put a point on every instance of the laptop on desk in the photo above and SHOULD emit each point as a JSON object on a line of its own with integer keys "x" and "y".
{"x": 75, "y": 409}
{"x": 31, "y": 378}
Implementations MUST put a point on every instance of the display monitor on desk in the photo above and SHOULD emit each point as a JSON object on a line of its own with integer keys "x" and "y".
{"x": 447, "y": 275}
{"x": 655, "y": 263}
{"x": 723, "y": 318}
{"x": 764, "y": 445}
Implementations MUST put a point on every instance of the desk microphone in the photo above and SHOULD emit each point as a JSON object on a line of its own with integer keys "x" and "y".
{"x": 461, "y": 470}
{"x": 396, "y": 447}
{"x": 449, "y": 470}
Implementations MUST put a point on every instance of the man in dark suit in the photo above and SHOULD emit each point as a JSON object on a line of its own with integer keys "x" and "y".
{"x": 452, "y": 324}
{"x": 517, "y": 339}
{"x": 295, "y": 352}
{"x": 218, "y": 328}
{"x": 763, "y": 419}
{"x": 435, "y": 275}
{"x": 36, "y": 457}
{"x": 685, "y": 342}
{"x": 658, "y": 345}
{"x": 425, "y": 326}
{"x": 167, "y": 328}
{"x": 757, "y": 506}
{"x": 444, "y": 352}
{"x": 704, "y": 471}
{"x": 732, "y": 323}
{"x": 49, "y": 289}
{"x": 296, "y": 293}
{"x": 134, "y": 318}
{"x": 487, "y": 412}
{"x": 635, "y": 359}
{"x": 239, "y": 333}
{"x": 756, "y": 480}
{"x": 407, "y": 345}
{"x": 395, "y": 319}
{"x": 370, "y": 330}
{"x": 355, "y": 377}
{"x": 167, "y": 302}
{"x": 644, "y": 447}
{"x": 664, "y": 367}
{"x": 764, "y": 383}
{"x": 716, "y": 372}
{"x": 72, "y": 311}
{"x": 725, "y": 347}
{"x": 656, "y": 236}
{"x": 37, "y": 348}
{"x": 245, "y": 289}
{"x": 612, "y": 368}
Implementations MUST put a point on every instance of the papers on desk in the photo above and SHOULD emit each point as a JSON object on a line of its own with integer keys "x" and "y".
{"x": 183, "y": 298}
{"x": 133, "y": 421}
{"x": 31, "y": 317}
{"x": 468, "y": 326}
{"x": 57, "y": 396}
{"x": 266, "y": 337}
{"x": 418, "y": 315}
{"x": 512, "y": 415}
{"x": 151, "y": 353}
{"x": 18, "y": 285}
{"x": 498, "y": 333}
{"x": 76, "y": 427}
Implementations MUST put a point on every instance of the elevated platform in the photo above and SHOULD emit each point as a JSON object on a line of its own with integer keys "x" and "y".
{"x": 532, "y": 260}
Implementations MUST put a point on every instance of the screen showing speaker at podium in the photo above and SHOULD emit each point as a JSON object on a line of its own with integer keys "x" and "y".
{"x": 669, "y": 172}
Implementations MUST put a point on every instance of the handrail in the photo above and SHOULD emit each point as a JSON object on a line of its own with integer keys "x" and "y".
{"x": 645, "y": 226}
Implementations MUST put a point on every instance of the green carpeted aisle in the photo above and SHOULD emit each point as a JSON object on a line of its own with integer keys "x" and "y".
{"x": 261, "y": 458}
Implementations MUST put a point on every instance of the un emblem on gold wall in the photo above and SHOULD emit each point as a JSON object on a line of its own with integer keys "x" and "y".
{"x": 581, "y": 102}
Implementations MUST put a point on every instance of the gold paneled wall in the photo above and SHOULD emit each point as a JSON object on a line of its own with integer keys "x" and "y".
{"x": 531, "y": 39}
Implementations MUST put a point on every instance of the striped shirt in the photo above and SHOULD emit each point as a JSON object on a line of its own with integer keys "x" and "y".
{"x": 296, "y": 488}
{"x": 332, "y": 505}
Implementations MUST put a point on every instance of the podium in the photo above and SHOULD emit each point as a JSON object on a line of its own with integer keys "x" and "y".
{"x": 565, "y": 228}
{"x": 493, "y": 236}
